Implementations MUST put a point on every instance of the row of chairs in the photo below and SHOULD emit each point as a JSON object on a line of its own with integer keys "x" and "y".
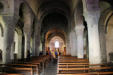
{"x": 68, "y": 65}
{"x": 33, "y": 66}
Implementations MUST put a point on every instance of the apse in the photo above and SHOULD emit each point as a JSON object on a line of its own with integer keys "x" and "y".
{"x": 57, "y": 43}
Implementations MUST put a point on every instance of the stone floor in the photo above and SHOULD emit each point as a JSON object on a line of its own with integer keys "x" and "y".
{"x": 51, "y": 69}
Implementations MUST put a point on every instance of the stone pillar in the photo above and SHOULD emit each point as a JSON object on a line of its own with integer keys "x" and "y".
{"x": 43, "y": 47}
{"x": 68, "y": 51}
{"x": 73, "y": 44}
{"x": 28, "y": 21}
{"x": 27, "y": 43}
{"x": 37, "y": 38}
{"x": 12, "y": 51}
{"x": 33, "y": 46}
{"x": 20, "y": 46}
{"x": 70, "y": 43}
{"x": 10, "y": 22}
{"x": 79, "y": 35}
{"x": 93, "y": 37}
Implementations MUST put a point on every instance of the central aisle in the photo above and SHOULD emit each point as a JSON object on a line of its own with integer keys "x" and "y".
{"x": 51, "y": 69}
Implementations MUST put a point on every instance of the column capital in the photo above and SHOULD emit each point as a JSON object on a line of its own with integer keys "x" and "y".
{"x": 79, "y": 29}
{"x": 92, "y": 17}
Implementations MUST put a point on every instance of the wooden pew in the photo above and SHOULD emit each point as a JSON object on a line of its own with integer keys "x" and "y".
{"x": 23, "y": 70}
{"x": 19, "y": 70}
{"x": 30, "y": 66}
{"x": 10, "y": 74}
{"x": 79, "y": 65}
{"x": 33, "y": 66}
{"x": 96, "y": 70}
{"x": 91, "y": 73}
{"x": 41, "y": 61}
{"x": 70, "y": 64}
{"x": 74, "y": 60}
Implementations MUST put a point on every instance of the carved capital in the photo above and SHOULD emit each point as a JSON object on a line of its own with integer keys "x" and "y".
{"x": 92, "y": 18}
{"x": 79, "y": 29}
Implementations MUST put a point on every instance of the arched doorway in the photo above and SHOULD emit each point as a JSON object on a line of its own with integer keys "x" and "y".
{"x": 17, "y": 46}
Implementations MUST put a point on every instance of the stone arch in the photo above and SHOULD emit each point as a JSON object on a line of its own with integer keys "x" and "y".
{"x": 61, "y": 44}
{"x": 18, "y": 43}
{"x": 106, "y": 14}
{"x": 26, "y": 17}
{"x": 1, "y": 7}
{"x": 2, "y": 31}
{"x": 61, "y": 25}
{"x": 78, "y": 13}
{"x": 109, "y": 37}
{"x": 21, "y": 7}
{"x": 110, "y": 14}
{"x": 25, "y": 11}
{"x": 50, "y": 6}
{"x": 49, "y": 33}
{"x": 2, "y": 25}
{"x": 52, "y": 33}
{"x": 53, "y": 10}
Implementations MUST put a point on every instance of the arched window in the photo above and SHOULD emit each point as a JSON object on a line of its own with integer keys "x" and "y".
{"x": 56, "y": 44}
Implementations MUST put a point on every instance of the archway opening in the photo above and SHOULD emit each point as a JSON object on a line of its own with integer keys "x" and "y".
{"x": 55, "y": 39}
{"x": 109, "y": 39}
{"x": 1, "y": 6}
{"x": 57, "y": 44}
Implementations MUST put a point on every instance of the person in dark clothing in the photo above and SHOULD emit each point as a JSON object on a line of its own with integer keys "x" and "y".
{"x": 0, "y": 55}
{"x": 41, "y": 53}
{"x": 56, "y": 54}
{"x": 28, "y": 54}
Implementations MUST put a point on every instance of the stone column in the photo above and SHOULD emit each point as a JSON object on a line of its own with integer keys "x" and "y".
{"x": 68, "y": 50}
{"x": 28, "y": 21}
{"x": 70, "y": 43}
{"x": 79, "y": 35}
{"x": 37, "y": 38}
{"x": 20, "y": 46}
{"x": 43, "y": 47}
{"x": 10, "y": 22}
{"x": 12, "y": 51}
{"x": 27, "y": 43}
{"x": 93, "y": 37}
{"x": 73, "y": 44}
{"x": 33, "y": 46}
